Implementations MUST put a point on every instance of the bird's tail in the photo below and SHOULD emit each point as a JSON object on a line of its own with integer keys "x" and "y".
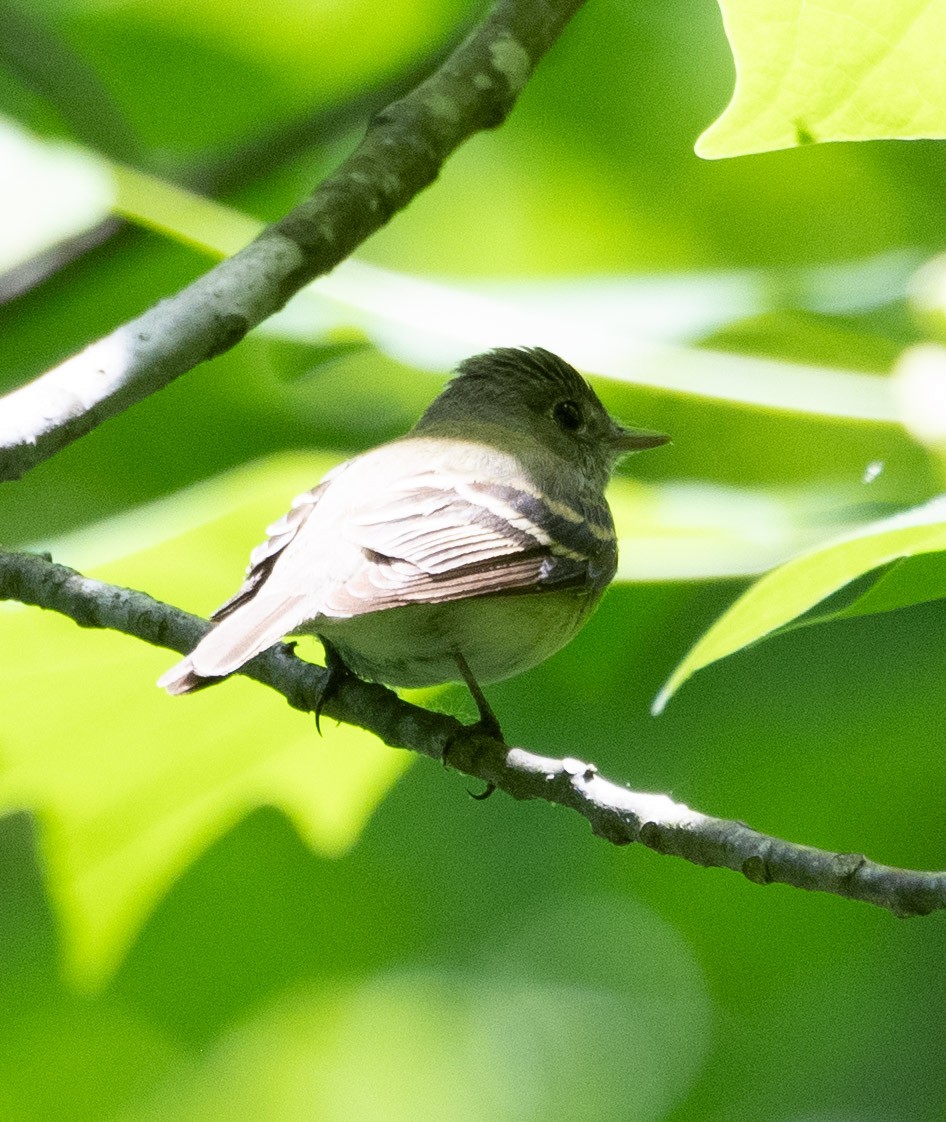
{"x": 182, "y": 678}
{"x": 230, "y": 644}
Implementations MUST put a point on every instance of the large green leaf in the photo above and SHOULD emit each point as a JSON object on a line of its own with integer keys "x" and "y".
{"x": 794, "y": 588}
{"x": 836, "y": 70}
{"x": 130, "y": 785}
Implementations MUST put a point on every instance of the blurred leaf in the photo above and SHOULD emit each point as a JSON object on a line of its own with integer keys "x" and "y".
{"x": 519, "y": 1038}
{"x": 295, "y": 360}
{"x": 837, "y": 70}
{"x": 687, "y": 306}
{"x": 804, "y": 337}
{"x": 130, "y": 785}
{"x": 48, "y": 191}
{"x": 31, "y": 48}
{"x": 696, "y": 531}
{"x": 789, "y": 591}
{"x": 185, "y": 215}
{"x": 249, "y": 67}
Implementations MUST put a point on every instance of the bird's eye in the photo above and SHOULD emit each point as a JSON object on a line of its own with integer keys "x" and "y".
{"x": 568, "y": 416}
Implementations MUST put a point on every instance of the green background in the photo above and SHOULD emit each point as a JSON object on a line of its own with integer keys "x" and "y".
{"x": 465, "y": 960}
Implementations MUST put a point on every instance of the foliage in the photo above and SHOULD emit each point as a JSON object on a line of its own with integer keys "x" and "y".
{"x": 914, "y": 541}
{"x": 838, "y": 70}
{"x": 371, "y": 949}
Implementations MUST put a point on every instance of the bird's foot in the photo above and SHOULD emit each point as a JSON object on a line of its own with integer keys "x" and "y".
{"x": 336, "y": 671}
{"x": 487, "y": 725}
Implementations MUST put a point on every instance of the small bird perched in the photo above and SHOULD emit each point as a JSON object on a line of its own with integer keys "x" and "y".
{"x": 472, "y": 548}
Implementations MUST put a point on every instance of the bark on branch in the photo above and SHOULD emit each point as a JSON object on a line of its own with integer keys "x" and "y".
{"x": 615, "y": 813}
{"x": 402, "y": 152}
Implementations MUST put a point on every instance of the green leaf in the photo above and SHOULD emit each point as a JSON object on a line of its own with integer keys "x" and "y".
{"x": 794, "y": 588}
{"x": 836, "y": 70}
{"x": 912, "y": 580}
{"x": 130, "y": 785}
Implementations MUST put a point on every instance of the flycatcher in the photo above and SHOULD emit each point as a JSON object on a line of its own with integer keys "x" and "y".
{"x": 472, "y": 548}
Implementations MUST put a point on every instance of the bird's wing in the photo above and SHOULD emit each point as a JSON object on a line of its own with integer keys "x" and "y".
{"x": 266, "y": 554}
{"x": 445, "y": 538}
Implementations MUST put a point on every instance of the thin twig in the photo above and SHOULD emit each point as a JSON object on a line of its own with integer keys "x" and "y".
{"x": 402, "y": 152}
{"x": 615, "y": 813}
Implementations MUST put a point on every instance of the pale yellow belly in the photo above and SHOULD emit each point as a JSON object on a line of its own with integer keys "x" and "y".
{"x": 498, "y": 636}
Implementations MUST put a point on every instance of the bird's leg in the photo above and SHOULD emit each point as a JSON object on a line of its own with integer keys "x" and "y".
{"x": 488, "y": 723}
{"x": 336, "y": 671}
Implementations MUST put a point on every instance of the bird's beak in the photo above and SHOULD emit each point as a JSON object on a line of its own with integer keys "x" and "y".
{"x": 636, "y": 440}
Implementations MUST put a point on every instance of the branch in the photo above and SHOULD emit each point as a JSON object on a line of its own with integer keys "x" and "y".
{"x": 402, "y": 152}
{"x": 615, "y": 813}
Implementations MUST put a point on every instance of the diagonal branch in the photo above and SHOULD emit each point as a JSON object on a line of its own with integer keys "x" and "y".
{"x": 401, "y": 154}
{"x": 615, "y": 813}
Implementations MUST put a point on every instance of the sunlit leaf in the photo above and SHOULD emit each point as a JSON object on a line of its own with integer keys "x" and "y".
{"x": 837, "y": 70}
{"x": 130, "y": 785}
{"x": 794, "y": 588}
{"x": 185, "y": 215}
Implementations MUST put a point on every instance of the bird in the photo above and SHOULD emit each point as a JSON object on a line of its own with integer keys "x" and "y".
{"x": 468, "y": 550}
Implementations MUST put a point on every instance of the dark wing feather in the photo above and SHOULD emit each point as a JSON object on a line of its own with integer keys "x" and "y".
{"x": 265, "y": 555}
{"x": 461, "y": 539}
{"x": 248, "y": 622}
